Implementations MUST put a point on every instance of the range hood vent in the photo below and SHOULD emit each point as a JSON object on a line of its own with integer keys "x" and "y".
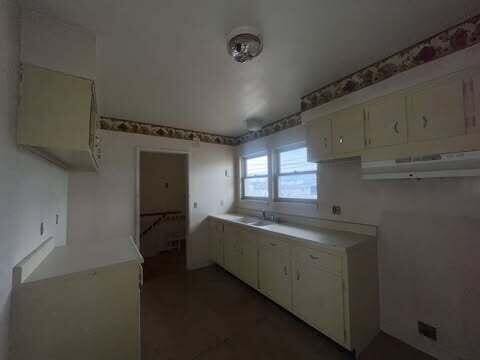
{"x": 460, "y": 164}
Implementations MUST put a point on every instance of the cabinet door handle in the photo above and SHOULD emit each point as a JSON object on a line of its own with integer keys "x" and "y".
{"x": 395, "y": 127}
{"x": 298, "y": 275}
{"x": 425, "y": 121}
{"x": 313, "y": 257}
{"x": 340, "y": 139}
{"x": 285, "y": 270}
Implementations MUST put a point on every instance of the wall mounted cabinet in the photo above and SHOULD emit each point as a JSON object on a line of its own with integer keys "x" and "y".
{"x": 348, "y": 130}
{"x": 436, "y": 110}
{"x": 334, "y": 291}
{"x": 434, "y": 117}
{"x": 57, "y": 118}
{"x": 319, "y": 139}
{"x": 386, "y": 121}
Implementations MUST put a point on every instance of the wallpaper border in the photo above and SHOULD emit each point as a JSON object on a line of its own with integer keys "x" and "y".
{"x": 444, "y": 43}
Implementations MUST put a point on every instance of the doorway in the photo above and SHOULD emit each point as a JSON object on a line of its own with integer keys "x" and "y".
{"x": 162, "y": 211}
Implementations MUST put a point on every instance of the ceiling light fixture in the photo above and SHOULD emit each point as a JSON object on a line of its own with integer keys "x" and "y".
{"x": 244, "y": 43}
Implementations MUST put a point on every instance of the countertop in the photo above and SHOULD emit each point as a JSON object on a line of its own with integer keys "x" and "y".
{"x": 65, "y": 260}
{"x": 334, "y": 240}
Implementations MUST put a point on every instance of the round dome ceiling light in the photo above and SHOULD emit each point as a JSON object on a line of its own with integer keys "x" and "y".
{"x": 244, "y": 43}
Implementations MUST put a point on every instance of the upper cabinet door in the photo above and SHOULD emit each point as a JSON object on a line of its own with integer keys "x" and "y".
{"x": 386, "y": 121}
{"x": 319, "y": 138}
{"x": 436, "y": 110}
{"x": 348, "y": 130}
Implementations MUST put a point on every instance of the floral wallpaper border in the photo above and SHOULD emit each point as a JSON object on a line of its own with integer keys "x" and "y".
{"x": 134, "y": 127}
{"x": 444, "y": 43}
{"x": 456, "y": 38}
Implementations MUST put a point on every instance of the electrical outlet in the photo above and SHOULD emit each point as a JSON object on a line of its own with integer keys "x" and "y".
{"x": 336, "y": 210}
{"x": 427, "y": 330}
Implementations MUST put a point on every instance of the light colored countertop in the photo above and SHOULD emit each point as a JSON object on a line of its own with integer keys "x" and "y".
{"x": 65, "y": 260}
{"x": 334, "y": 240}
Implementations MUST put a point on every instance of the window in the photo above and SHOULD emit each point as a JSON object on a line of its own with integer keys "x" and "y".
{"x": 255, "y": 177}
{"x": 296, "y": 177}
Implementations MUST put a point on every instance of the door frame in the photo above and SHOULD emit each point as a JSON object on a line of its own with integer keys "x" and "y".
{"x": 139, "y": 150}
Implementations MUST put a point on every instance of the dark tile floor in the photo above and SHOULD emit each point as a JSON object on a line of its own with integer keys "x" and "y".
{"x": 209, "y": 314}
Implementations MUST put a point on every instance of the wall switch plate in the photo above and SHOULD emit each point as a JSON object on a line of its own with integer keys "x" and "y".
{"x": 427, "y": 330}
{"x": 195, "y": 205}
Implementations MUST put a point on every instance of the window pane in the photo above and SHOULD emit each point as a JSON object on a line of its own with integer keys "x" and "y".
{"x": 256, "y": 166}
{"x": 301, "y": 186}
{"x": 295, "y": 160}
{"x": 256, "y": 187}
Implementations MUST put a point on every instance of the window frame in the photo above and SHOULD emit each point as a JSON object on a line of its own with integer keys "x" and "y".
{"x": 277, "y": 174}
{"x": 243, "y": 169}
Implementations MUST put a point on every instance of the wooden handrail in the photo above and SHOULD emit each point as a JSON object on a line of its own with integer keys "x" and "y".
{"x": 161, "y": 213}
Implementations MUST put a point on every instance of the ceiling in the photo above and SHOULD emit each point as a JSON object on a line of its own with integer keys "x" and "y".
{"x": 165, "y": 61}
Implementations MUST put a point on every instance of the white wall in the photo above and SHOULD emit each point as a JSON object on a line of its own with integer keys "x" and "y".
{"x": 428, "y": 231}
{"x": 102, "y": 205}
{"x": 53, "y": 44}
{"x": 31, "y": 190}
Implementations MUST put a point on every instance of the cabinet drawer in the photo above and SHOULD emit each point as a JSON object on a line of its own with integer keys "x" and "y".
{"x": 318, "y": 259}
{"x": 271, "y": 241}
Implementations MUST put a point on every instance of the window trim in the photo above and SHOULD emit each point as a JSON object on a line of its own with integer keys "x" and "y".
{"x": 277, "y": 174}
{"x": 243, "y": 170}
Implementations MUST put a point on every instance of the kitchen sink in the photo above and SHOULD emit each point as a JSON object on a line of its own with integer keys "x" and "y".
{"x": 261, "y": 223}
{"x": 247, "y": 220}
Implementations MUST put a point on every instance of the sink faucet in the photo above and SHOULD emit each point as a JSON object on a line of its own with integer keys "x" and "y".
{"x": 264, "y": 214}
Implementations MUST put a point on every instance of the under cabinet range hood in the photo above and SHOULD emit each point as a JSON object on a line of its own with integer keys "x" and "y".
{"x": 460, "y": 164}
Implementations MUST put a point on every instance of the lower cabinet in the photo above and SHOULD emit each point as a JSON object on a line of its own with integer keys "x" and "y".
{"x": 336, "y": 292}
{"x": 248, "y": 268}
{"x": 274, "y": 270}
{"x": 215, "y": 241}
{"x": 317, "y": 295}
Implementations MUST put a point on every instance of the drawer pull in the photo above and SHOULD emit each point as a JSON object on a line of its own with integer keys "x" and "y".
{"x": 273, "y": 244}
{"x": 314, "y": 257}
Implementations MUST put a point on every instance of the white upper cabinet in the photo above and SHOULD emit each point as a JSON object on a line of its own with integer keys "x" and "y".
{"x": 319, "y": 138}
{"x": 436, "y": 110}
{"x": 348, "y": 130}
{"x": 386, "y": 121}
{"x": 57, "y": 117}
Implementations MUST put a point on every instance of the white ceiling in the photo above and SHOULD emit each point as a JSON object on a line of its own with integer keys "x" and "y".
{"x": 165, "y": 61}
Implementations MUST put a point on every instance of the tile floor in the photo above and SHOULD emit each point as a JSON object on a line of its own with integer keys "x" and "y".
{"x": 209, "y": 314}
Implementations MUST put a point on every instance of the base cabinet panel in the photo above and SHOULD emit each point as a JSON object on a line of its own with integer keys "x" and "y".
{"x": 274, "y": 270}
{"x": 318, "y": 299}
{"x": 249, "y": 258}
{"x": 90, "y": 315}
{"x": 319, "y": 286}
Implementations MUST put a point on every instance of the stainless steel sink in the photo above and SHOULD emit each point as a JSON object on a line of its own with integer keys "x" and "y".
{"x": 262, "y": 223}
{"x": 247, "y": 220}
